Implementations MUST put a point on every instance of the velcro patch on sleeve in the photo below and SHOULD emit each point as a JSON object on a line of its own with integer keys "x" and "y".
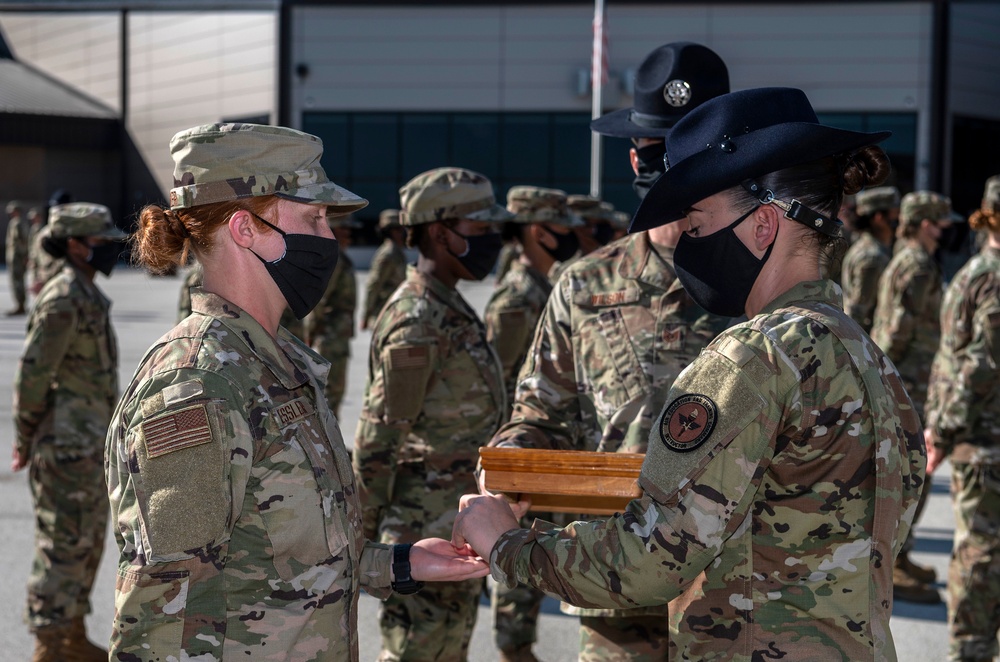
{"x": 176, "y": 430}
{"x": 408, "y": 357}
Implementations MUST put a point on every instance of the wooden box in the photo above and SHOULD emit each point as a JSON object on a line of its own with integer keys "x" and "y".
{"x": 564, "y": 481}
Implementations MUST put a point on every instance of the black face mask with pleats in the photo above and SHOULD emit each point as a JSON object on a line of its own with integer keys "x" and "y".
{"x": 304, "y": 269}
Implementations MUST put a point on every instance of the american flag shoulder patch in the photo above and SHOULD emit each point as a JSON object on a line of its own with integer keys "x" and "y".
{"x": 177, "y": 430}
{"x": 410, "y": 356}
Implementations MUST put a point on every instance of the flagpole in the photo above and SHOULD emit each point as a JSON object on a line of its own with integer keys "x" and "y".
{"x": 597, "y": 73}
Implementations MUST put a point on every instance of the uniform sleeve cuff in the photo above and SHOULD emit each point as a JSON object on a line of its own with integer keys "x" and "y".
{"x": 503, "y": 557}
{"x": 376, "y": 577}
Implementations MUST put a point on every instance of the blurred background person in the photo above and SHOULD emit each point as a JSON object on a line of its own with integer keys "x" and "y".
{"x": 17, "y": 255}
{"x": 963, "y": 425}
{"x": 907, "y": 327}
{"x": 434, "y": 396}
{"x": 388, "y": 267}
{"x": 65, "y": 389}
{"x": 875, "y": 222}
{"x": 330, "y": 326}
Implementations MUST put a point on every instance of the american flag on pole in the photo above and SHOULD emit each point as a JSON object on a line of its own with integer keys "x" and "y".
{"x": 599, "y": 70}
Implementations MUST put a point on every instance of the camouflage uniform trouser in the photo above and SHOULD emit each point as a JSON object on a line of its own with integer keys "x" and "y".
{"x": 16, "y": 274}
{"x": 624, "y": 639}
{"x": 515, "y": 616}
{"x": 974, "y": 572}
{"x": 434, "y": 624}
{"x": 71, "y": 517}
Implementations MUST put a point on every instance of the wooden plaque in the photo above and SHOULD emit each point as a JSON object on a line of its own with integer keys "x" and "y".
{"x": 564, "y": 481}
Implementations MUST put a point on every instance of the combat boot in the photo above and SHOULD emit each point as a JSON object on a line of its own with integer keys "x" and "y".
{"x": 50, "y": 643}
{"x": 907, "y": 587}
{"x": 922, "y": 573}
{"x": 519, "y": 654}
{"x": 78, "y": 648}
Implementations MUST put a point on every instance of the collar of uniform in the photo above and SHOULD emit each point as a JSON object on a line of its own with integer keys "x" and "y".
{"x": 640, "y": 261}
{"x": 437, "y": 288}
{"x": 244, "y": 327}
{"x": 536, "y": 276}
{"x": 808, "y": 290}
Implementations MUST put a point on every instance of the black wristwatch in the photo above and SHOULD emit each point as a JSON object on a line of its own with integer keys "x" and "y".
{"x": 404, "y": 583}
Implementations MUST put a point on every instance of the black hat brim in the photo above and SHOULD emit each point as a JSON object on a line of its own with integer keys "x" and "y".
{"x": 755, "y": 154}
{"x": 619, "y": 124}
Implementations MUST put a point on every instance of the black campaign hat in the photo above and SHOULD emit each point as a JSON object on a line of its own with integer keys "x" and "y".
{"x": 735, "y": 137}
{"x": 671, "y": 81}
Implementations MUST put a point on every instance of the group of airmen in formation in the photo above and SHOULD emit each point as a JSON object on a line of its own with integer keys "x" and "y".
{"x": 584, "y": 336}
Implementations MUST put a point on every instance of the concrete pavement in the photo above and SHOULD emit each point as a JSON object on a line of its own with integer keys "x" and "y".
{"x": 144, "y": 308}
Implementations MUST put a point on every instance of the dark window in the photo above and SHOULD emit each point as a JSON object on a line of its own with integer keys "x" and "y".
{"x": 373, "y": 154}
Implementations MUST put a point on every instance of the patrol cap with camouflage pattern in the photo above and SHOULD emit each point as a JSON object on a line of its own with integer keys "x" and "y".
{"x": 220, "y": 162}
{"x": 588, "y": 207}
{"x": 918, "y": 205}
{"x": 449, "y": 193}
{"x": 534, "y": 204}
{"x": 82, "y": 219}
{"x": 880, "y": 198}
{"x": 389, "y": 218}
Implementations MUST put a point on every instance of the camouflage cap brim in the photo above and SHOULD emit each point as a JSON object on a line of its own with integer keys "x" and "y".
{"x": 492, "y": 214}
{"x": 112, "y": 234}
{"x": 548, "y": 215}
{"x": 233, "y": 161}
{"x": 310, "y": 187}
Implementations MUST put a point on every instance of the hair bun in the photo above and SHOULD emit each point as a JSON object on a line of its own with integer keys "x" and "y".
{"x": 869, "y": 166}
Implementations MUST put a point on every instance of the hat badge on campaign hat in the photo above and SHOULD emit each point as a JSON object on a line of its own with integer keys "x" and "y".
{"x": 735, "y": 137}
{"x": 677, "y": 93}
{"x": 671, "y": 81}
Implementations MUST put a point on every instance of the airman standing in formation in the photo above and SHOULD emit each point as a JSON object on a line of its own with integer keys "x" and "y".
{"x": 65, "y": 389}
{"x": 330, "y": 326}
{"x": 233, "y": 498}
{"x": 542, "y": 232}
{"x": 963, "y": 424}
{"x": 435, "y": 395}
{"x": 907, "y": 327}
{"x": 17, "y": 255}
{"x": 786, "y": 461}
{"x": 617, "y": 331}
{"x": 388, "y": 267}
{"x": 542, "y": 229}
{"x": 875, "y": 222}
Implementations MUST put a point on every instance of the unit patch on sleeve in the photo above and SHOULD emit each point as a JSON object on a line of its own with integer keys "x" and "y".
{"x": 176, "y": 430}
{"x": 688, "y": 422}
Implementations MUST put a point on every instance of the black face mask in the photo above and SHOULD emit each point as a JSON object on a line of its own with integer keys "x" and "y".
{"x": 304, "y": 270}
{"x": 566, "y": 246}
{"x": 718, "y": 271}
{"x": 650, "y": 165}
{"x": 480, "y": 254}
{"x": 604, "y": 232}
{"x": 104, "y": 257}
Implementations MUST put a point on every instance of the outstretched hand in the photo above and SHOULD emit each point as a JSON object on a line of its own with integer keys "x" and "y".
{"x": 934, "y": 455}
{"x": 19, "y": 460}
{"x": 481, "y": 521}
{"x": 437, "y": 560}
